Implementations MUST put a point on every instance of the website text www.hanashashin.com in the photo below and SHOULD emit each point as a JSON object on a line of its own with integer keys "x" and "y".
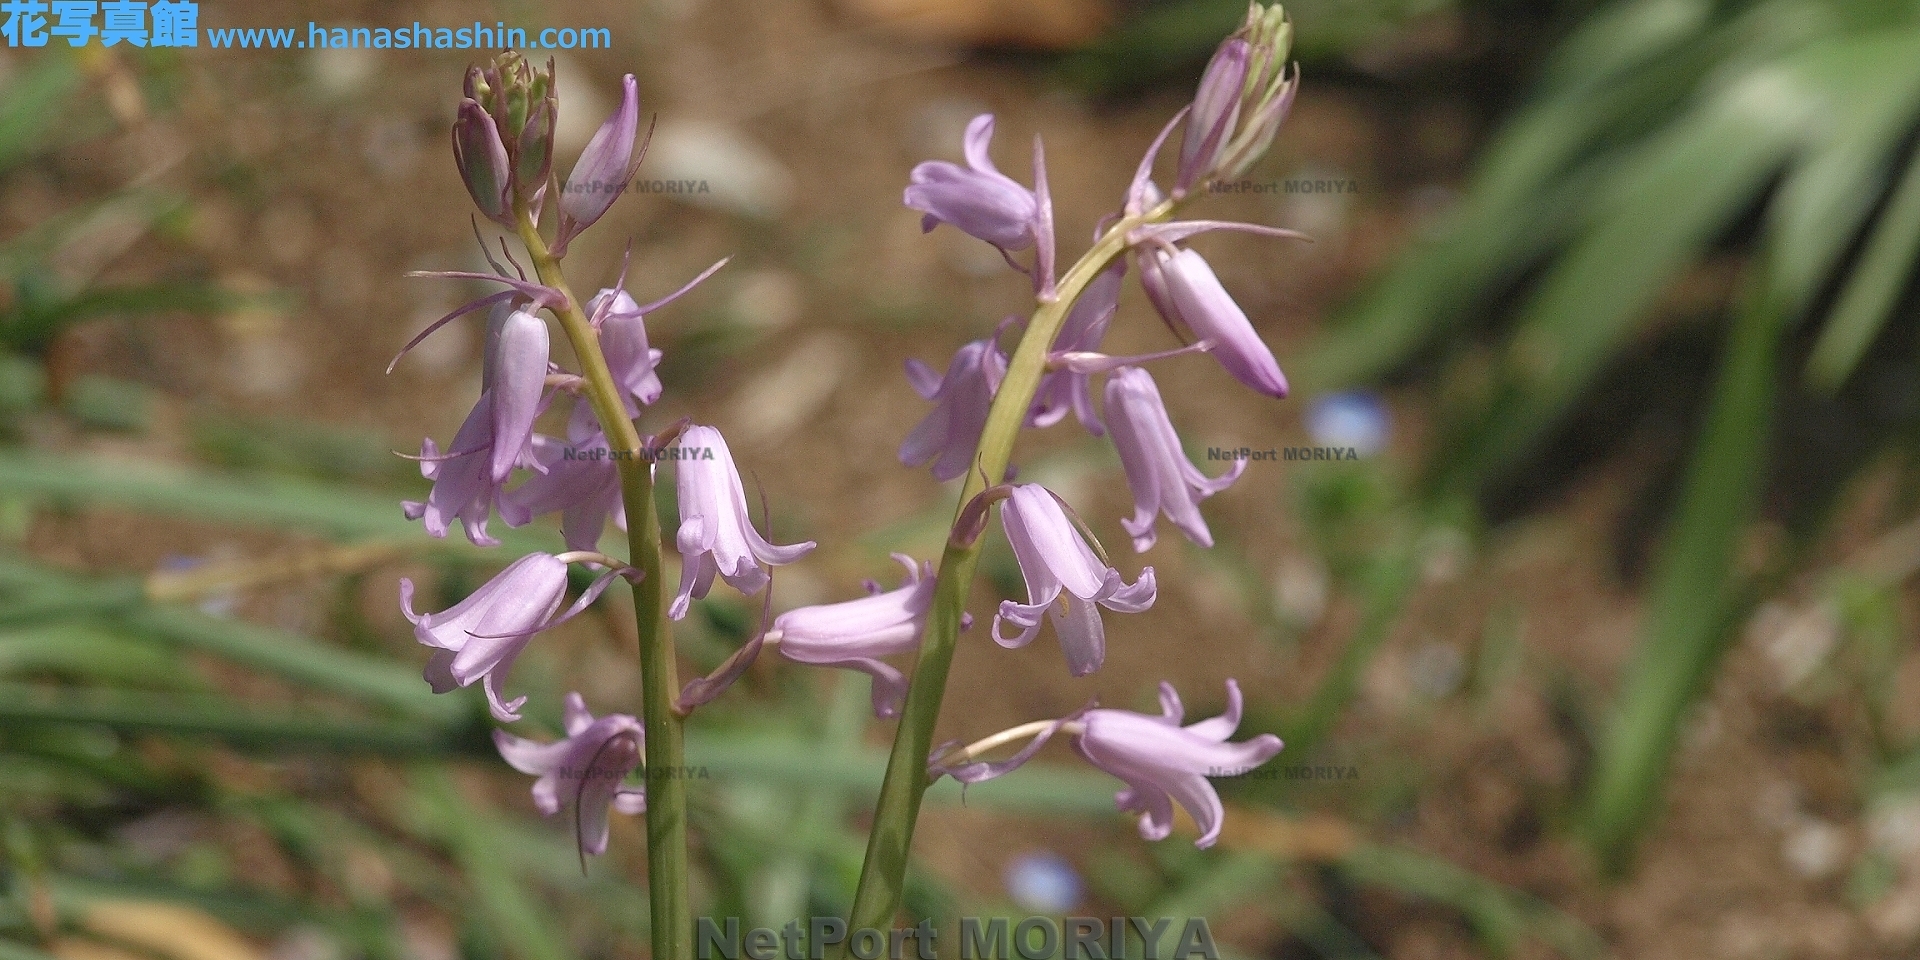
{"x": 176, "y": 23}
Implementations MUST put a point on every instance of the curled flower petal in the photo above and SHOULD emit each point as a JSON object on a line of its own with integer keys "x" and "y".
{"x": 978, "y": 199}
{"x": 463, "y": 485}
{"x": 1163, "y": 763}
{"x": 1063, "y": 576}
{"x": 585, "y": 772}
{"x": 486, "y": 632}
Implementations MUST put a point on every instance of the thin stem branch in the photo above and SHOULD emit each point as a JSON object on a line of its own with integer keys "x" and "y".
{"x": 667, "y": 892}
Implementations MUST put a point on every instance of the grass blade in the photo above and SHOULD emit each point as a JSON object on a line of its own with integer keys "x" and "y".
{"x": 1695, "y": 591}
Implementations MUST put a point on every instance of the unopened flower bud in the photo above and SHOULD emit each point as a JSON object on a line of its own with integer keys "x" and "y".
{"x": 604, "y": 167}
{"x": 1244, "y": 95}
{"x": 482, "y": 159}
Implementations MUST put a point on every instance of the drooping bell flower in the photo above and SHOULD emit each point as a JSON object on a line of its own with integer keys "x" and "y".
{"x": 1163, "y": 762}
{"x": 716, "y": 535}
{"x": 584, "y": 773}
{"x": 1065, "y": 580}
{"x": 1184, "y": 289}
{"x": 1159, "y": 474}
{"x": 1160, "y": 761}
{"x": 623, "y": 339}
{"x": 949, "y": 434}
{"x": 604, "y": 168}
{"x": 854, "y": 634}
{"x": 520, "y": 349}
{"x": 479, "y": 638}
{"x": 1081, "y": 332}
{"x": 581, "y": 482}
{"x": 463, "y": 485}
{"x": 977, "y": 198}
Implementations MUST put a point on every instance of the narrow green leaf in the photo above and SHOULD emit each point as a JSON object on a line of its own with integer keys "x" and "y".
{"x": 1695, "y": 593}
{"x": 81, "y": 649}
{"x": 1869, "y": 87}
{"x": 234, "y": 498}
{"x": 302, "y": 661}
{"x": 1500, "y": 915}
{"x": 1392, "y": 576}
{"x": 31, "y": 107}
{"x": 1663, "y": 208}
{"x": 289, "y": 656}
{"x": 1866, "y": 303}
{"x": 216, "y": 718}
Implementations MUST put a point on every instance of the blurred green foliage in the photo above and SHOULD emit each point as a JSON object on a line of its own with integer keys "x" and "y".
{"x": 1661, "y": 138}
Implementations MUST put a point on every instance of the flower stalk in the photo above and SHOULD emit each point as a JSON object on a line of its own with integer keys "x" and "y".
{"x": 883, "y": 873}
{"x": 667, "y": 892}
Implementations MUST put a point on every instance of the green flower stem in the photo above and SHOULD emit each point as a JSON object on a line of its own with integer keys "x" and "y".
{"x": 883, "y": 874}
{"x": 665, "y": 750}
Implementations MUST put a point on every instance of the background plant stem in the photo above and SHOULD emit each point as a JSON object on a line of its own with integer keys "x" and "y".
{"x": 659, "y": 679}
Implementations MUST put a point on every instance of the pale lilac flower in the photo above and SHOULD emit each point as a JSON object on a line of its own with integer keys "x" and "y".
{"x": 1188, "y": 295}
{"x": 463, "y": 485}
{"x": 585, "y": 772}
{"x": 1163, "y": 762}
{"x": 855, "y": 633}
{"x": 480, "y": 637}
{"x": 581, "y": 482}
{"x": 951, "y": 432}
{"x": 516, "y": 392}
{"x": 1161, "y": 477}
{"x": 1065, "y": 579}
{"x": 604, "y": 168}
{"x": 1081, "y": 332}
{"x": 623, "y": 338}
{"x": 978, "y": 198}
{"x": 716, "y": 534}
